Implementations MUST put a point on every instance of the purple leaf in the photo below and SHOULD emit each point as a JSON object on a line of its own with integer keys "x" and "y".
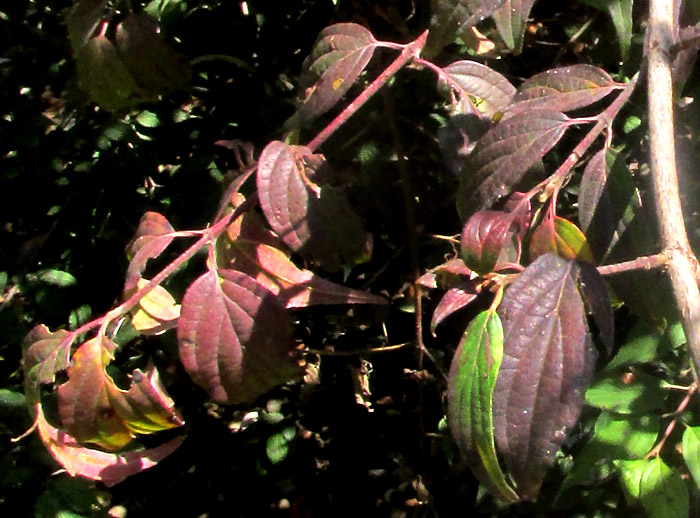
{"x": 486, "y": 236}
{"x": 451, "y": 17}
{"x": 458, "y": 137}
{"x": 478, "y": 80}
{"x": 315, "y": 221}
{"x": 341, "y": 53}
{"x": 547, "y": 364}
{"x": 151, "y": 239}
{"x": 503, "y": 156}
{"x": 235, "y": 337}
{"x": 563, "y": 89}
{"x": 454, "y": 299}
{"x": 511, "y": 20}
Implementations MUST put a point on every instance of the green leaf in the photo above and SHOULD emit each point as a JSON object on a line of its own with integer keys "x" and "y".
{"x": 511, "y": 20}
{"x": 631, "y": 472}
{"x": 642, "y": 394}
{"x": 277, "y": 446}
{"x": 662, "y": 491}
{"x": 645, "y": 344}
{"x": 691, "y": 451}
{"x": 470, "y": 388}
{"x": 57, "y": 278}
{"x": 621, "y": 13}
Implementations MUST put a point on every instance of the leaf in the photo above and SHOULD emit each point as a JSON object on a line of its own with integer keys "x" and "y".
{"x": 452, "y": 17}
{"x": 691, "y": 451}
{"x": 157, "y": 311}
{"x": 82, "y": 21}
{"x": 295, "y": 288}
{"x": 98, "y": 465}
{"x": 662, "y": 491}
{"x": 631, "y": 472}
{"x": 492, "y": 89}
{"x": 621, "y": 13}
{"x": 340, "y": 54}
{"x": 486, "y": 236}
{"x": 315, "y": 221}
{"x": 454, "y": 299}
{"x": 611, "y": 392}
{"x": 152, "y": 237}
{"x": 502, "y": 157}
{"x": 44, "y": 353}
{"x": 469, "y": 392}
{"x": 561, "y": 237}
{"x": 564, "y": 89}
{"x": 235, "y": 337}
{"x": 547, "y": 364}
{"x": 644, "y": 344}
{"x": 511, "y": 21}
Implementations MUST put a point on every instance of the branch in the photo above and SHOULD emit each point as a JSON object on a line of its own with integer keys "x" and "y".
{"x": 683, "y": 265}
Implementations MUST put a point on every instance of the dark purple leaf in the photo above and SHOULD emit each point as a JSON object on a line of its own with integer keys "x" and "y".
{"x": 511, "y": 21}
{"x": 547, "y": 364}
{"x": 453, "y": 300}
{"x": 315, "y": 221}
{"x": 43, "y": 355}
{"x": 486, "y": 238}
{"x": 563, "y": 89}
{"x": 503, "y": 156}
{"x": 235, "y": 337}
{"x": 595, "y": 294}
{"x": 458, "y": 137}
{"x": 494, "y": 91}
{"x": 341, "y": 53}
{"x": 451, "y": 17}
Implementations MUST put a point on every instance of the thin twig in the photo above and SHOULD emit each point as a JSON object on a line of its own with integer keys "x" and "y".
{"x": 669, "y": 429}
{"x": 646, "y": 262}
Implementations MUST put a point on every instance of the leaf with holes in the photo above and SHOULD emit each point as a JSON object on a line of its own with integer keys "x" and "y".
{"x": 452, "y": 17}
{"x": 564, "y": 89}
{"x": 502, "y": 157}
{"x": 493, "y": 91}
{"x": 548, "y": 361}
{"x": 152, "y": 237}
{"x": 453, "y": 300}
{"x": 490, "y": 237}
{"x": 43, "y": 355}
{"x": 108, "y": 468}
{"x": 235, "y": 337}
{"x": 315, "y": 221}
{"x": 295, "y": 288}
{"x": 469, "y": 407}
{"x": 511, "y": 21}
{"x": 341, "y": 53}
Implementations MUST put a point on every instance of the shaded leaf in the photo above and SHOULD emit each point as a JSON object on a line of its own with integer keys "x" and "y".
{"x": 295, "y": 288}
{"x": 511, "y": 21}
{"x": 494, "y": 91}
{"x": 662, "y": 491}
{"x": 614, "y": 393}
{"x": 458, "y": 137}
{"x": 691, "y": 451}
{"x": 44, "y": 353}
{"x": 486, "y": 236}
{"x": 645, "y": 344}
{"x": 108, "y": 468}
{"x": 453, "y": 300}
{"x": 235, "y": 337}
{"x": 151, "y": 239}
{"x": 620, "y": 12}
{"x": 341, "y": 53}
{"x": 561, "y": 237}
{"x": 563, "y": 89}
{"x": 82, "y": 21}
{"x": 452, "y": 17}
{"x": 547, "y": 364}
{"x": 469, "y": 400}
{"x": 503, "y": 156}
{"x": 315, "y": 221}
{"x": 631, "y": 472}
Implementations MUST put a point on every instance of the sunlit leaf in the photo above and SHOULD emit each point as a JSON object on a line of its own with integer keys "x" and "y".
{"x": 547, "y": 364}
{"x": 159, "y": 303}
{"x": 452, "y": 17}
{"x": 503, "y": 156}
{"x": 492, "y": 89}
{"x": 613, "y": 393}
{"x": 453, "y": 300}
{"x": 315, "y": 221}
{"x": 561, "y": 237}
{"x": 691, "y": 451}
{"x": 151, "y": 239}
{"x": 235, "y": 337}
{"x": 108, "y": 468}
{"x": 511, "y": 21}
{"x": 662, "y": 491}
{"x": 43, "y": 355}
{"x": 631, "y": 472}
{"x": 469, "y": 395}
{"x": 339, "y": 56}
{"x": 563, "y": 89}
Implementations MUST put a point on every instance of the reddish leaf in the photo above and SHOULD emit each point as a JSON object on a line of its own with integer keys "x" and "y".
{"x": 295, "y": 288}
{"x": 547, "y": 365}
{"x": 511, "y": 21}
{"x": 340, "y": 54}
{"x": 43, "y": 355}
{"x": 151, "y": 239}
{"x": 503, "y": 156}
{"x": 486, "y": 238}
{"x": 561, "y": 237}
{"x": 477, "y": 80}
{"x": 107, "y": 468}
{"x": 315, "y": 221}
{"x": 452, "y": 17}
{"x": 454, "y": 299}
{"x": 564, "y": 89}
{"x": 235, "y": 337}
